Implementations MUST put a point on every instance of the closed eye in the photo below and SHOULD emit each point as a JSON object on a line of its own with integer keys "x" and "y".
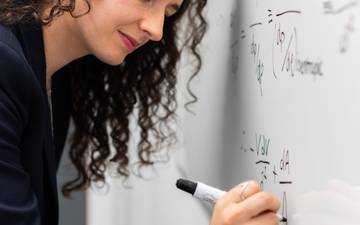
{"x": 172, "y": 9}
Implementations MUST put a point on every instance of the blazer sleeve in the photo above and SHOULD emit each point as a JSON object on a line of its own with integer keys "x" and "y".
{"x": 18, "y": 203}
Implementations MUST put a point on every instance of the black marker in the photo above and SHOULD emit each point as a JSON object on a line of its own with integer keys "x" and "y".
{"x": 205, "y": 192}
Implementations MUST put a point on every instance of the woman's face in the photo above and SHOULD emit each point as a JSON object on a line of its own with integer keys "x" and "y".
{"x": 114, "y": 28}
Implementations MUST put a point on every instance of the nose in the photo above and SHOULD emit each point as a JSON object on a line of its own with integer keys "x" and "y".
{"x": 153, "y": 25}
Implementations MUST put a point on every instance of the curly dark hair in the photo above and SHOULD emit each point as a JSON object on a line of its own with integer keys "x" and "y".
{"x": 105, "y": 97}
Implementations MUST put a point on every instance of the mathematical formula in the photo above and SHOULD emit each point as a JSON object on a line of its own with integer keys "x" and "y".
{"x": 287, "y": 60}
{"x": 275, "y": 172}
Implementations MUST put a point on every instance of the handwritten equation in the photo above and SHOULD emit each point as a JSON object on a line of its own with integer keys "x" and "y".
{"x": 274, "y": 172}
{"x": 284, "y": 49}
{"x": 286, "y": 56}
{"x": 279, "y": 42}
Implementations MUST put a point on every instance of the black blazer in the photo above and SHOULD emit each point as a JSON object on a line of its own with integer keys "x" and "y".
{"x": 28, "y": 157}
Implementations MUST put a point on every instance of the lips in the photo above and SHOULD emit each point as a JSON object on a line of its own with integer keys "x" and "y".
{"x": 129, "y": 42}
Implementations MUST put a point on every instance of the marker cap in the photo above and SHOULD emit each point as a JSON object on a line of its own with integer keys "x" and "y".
{"x": 186, "y": 185}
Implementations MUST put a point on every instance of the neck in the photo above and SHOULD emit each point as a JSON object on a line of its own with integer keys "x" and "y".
{"x": 62, "y": 45}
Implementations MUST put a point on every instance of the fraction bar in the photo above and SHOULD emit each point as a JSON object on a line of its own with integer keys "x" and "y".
{"x": 255, "y": 24}
{"x": 289, "y": 11}
{"x": 263, "y": 162}
{"x": 285, "y": 182}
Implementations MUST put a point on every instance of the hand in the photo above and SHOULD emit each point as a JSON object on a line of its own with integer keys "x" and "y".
{"x": 246, "y": 204}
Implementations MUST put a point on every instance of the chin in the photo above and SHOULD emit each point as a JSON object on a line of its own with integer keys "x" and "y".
{"x": 113, "y": 59}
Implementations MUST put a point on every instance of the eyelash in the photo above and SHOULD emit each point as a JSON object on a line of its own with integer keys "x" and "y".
{"x": 147, "y": 1}
{"x": 172, "y": 13}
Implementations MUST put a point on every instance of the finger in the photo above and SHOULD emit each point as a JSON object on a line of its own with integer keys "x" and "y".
{"x": 261, "y": 202}
{"x": 242, "y": 191}
{"x": 269, "y": 218}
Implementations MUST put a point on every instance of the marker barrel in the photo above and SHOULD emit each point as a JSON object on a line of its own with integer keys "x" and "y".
{"x": 207, "y": 193}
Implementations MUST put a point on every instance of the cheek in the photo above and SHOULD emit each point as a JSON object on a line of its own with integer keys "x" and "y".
{"x": 101, "y": 39}
{"x": 100, "y": 27}
{"x": 108, "y": 48}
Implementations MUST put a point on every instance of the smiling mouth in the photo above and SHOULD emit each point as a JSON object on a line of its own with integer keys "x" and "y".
{"x": 129, "y": 42}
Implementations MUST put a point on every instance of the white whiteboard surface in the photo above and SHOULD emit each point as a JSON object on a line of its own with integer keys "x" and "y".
{"x": 279, "y": 102}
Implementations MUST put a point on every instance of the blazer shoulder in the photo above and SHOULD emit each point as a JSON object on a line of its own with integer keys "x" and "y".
{"x": 13, "y": 64}
{"x": 8, "y": 38}
{"x": 14, "y": 69}
{"x": 17, "y": 81}
{"x": 11, "y": 54}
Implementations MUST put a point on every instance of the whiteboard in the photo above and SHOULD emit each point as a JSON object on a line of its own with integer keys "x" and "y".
{"x": 279, "y": 102}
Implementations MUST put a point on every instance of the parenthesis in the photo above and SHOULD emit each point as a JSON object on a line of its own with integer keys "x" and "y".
{"x": 273, "y": 60}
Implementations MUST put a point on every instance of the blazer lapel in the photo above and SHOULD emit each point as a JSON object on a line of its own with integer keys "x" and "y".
{"x": 33, "y": 46}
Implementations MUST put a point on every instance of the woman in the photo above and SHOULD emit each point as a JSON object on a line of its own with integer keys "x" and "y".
{"x": 108, "y": 56}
